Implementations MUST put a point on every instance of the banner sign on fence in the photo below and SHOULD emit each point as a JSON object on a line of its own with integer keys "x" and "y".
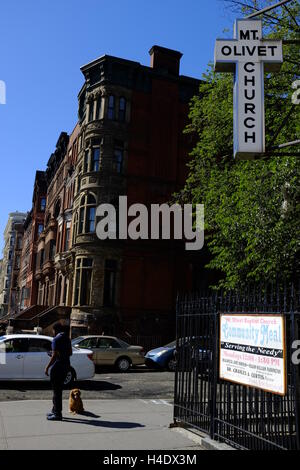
{"x": 253, "y": 351}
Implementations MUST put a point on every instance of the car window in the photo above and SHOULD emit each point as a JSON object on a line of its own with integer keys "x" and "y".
{"x": 114, "y": 344}
{"x": 105, "y": 343}
{"x": 39, "y": 345}
{"x": 89, "y": 343}
{"x": 17, "y": 345}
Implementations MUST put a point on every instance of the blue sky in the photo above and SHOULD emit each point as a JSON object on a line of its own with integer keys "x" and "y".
{"x": 43, "y": 43}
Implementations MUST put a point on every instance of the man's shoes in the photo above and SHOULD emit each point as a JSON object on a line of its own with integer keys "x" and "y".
{"x": 53, "y": 417}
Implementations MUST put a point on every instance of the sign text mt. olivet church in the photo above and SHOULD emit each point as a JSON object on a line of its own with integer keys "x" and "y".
{"x": 248, "y": 56}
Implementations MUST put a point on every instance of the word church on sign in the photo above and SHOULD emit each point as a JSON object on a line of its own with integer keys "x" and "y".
{"x": 248, "y": 55}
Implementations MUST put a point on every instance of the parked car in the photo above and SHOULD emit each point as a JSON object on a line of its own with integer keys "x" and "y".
{"x": 193, "y": 354}
{"x": 162, "y": 357}
{"x": 111, "y": 351}
{"x": 25, "y": 357}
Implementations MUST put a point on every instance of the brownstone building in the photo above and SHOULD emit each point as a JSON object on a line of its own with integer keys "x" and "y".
{"x": 33, "y": 227}
{"x": 129, "y": 141}
{"x": 131, "y": 121}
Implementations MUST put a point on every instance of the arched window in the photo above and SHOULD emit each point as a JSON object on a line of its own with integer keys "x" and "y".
{"x": 122, "y": 109}
{"x": 87, "y": 214}
{"x": 111, "y": 107}
{"x": 90, "y": 214}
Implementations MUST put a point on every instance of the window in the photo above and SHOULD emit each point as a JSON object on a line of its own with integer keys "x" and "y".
{"x": 122, "y": 109}
{"x": 105, "y": 343}
{"x": 86, "y": 162}
{"x": 39, "y": 345}
{"x": 81, "y": 220}
{"x": 110, "y": 275}
{"x": 83, "y": 281}
{"x": 96, "y": 159}
{"x": 40, "y": 229}
{"x": 75, "y": 228}
{"x": 91, "y": 112}
{"x": 52, "y": 250}
{"x": 98, "y": 107}
{"x": 17, "y": 345}
{"x": 90, "y": 214}
{"x": 43, "y": 204}
{"x": 17, "y": 262}
{"x": 111, "y": 107}
{"x": 87, "y": 214}
{"x": 67, "y": 240}
{"x": 89, "y": 343}
{"x": 42, "y": 257}
{"x": 118, "y": 157}
{"x": 90, "y": 219}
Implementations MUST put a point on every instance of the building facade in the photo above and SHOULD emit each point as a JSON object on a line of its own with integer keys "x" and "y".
{"x": 131, "y": 120}
{"x": 129, "y": 142}
{"x": 13, "y": 239}
{"x": 33, "y": 227}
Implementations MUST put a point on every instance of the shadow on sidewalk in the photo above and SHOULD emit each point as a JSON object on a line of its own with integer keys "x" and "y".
{"x": 104, "y": 424}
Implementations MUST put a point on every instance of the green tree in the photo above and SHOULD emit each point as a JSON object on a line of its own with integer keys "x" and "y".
{"x": 252, "y": 208}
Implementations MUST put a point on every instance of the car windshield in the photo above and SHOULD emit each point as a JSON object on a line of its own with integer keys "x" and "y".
{"x": 170, "y": 345}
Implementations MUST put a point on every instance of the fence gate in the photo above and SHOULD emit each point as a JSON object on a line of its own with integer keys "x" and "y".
{"x": 244, "y": 417}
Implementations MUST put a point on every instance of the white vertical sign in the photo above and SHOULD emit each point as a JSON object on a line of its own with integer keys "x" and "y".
{"x": 248, "y": 56}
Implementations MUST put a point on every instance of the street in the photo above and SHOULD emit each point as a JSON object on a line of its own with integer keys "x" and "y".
{"x": 107, "y": 384}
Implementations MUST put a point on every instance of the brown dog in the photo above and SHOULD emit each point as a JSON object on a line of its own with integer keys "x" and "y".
{"x": 75, "y": 402}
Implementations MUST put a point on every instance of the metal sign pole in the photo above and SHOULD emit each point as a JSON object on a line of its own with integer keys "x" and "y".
{"x": 265, "y": 10}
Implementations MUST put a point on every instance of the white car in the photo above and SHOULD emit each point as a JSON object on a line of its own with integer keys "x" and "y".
{"x": 25, "y": 357}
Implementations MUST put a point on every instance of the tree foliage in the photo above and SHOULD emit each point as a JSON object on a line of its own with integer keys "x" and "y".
{"x": 252, "y": 208}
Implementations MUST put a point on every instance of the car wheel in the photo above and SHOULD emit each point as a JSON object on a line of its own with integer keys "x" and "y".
{"x": 123, "y": 364}
{"x": 71, "y": 375}
{"x": 171, "y": 366}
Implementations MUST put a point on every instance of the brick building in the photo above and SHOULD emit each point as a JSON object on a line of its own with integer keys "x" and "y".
{"x": 129, "y": 141}
{"x": 13, "y": 236}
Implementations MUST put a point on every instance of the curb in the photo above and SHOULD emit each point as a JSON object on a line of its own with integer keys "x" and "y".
{"x": 203, "y": 440}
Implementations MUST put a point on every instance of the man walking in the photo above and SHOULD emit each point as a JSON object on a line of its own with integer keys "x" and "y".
{"x": 60, "y": 365}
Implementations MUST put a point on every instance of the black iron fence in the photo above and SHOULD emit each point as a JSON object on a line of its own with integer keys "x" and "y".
{"x": 244, "y": 417}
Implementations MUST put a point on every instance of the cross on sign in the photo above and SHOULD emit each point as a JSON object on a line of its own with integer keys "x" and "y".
{"x": 248, "y": 55}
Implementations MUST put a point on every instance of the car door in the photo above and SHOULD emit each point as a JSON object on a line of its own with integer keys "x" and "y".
{"x": 12, "y": 363}
{"x": 36, "y": 358}
{"x": 108, "y": 351}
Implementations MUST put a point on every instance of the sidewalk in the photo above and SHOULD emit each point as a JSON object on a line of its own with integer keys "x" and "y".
{"x": 108, "y": 425}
